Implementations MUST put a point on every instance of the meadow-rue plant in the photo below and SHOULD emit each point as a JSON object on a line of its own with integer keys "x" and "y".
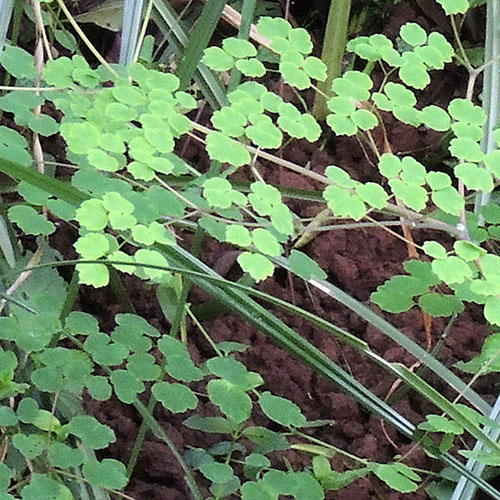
{"x": 129, "y": 189}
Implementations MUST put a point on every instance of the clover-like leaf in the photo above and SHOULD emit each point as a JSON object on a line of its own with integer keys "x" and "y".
{"x": 233, "y": 401}
{"x": 492, "y": 310}
{"x": 468, "y": 251}
{"x": 30, "y": 221}
{"x": 294, "y": 76}
{"x": 448, "y": 200}
{"x": 151, "y": 258}
{"x": 437, "y": 304}
{"x": 91, "y": 246}
{"x": 238, "y": 235}
{"x": 390, "y": 165}
{"x": 464, "y": 110}
{"x": 264, "y": 134}
{"x": 315, "y": 68}
{"x": 217, "y": 472}
{"x": 281, "y": 410}
{"x": 234, "y": 372}
{"x": 270, "y": 27}
{"x": 239, "y": 48}
{"x": 96, "y": 275}
{"x": 18, "y": 62}
{"x": 257, "y": 265}
{"x": 219, "y": 192}
{"x": 217, "y": 59}
{"x": 436, "y": 118}
{"x": 398, "y": 476}
{"x": 396, "y": 295}
{"x": 400, "y": 95}
{"x": 128, "y": 94}
{"x": 126, "y": 385}
{"x": 63, "y": 456}
{"x": 266, "y": 242}
{"x": 466, "y": 149}
{"x": 451, "y": 270}
{"x": 42, "y": 486}
{"x": 415, "y": 75}
{"x": 413, "y": 34}
{"x": 454, "y": 6}
{"x": 81, "y": 137}
{"x": 222, "y": 148}
{"x": 364, "y": 119}
{"x": 344, "y": 203}
{"x": 435, "y": 249}
{"x": 251, "y": 67}
{"x": 109, "y": 473}
{"x": 411, "y": 194}
{"x": 93, "y": 434}
{"x": 99, "y": 388}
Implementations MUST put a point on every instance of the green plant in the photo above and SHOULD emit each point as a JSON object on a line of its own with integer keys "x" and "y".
{"x": 120, "y": 125}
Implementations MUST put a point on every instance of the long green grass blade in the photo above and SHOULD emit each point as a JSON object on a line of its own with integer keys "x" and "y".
{"x": 393, "y": 333}
{"x": 198, "y": 41}
{"x": 466, "y": 489}
{"x": 491, "y": 85}
{"x": 166, "y": 19}
{"x": 333, "y": 51}
{"x": 51, "y": 185}
{"x": 6, "y": 9}
{"x": 6, "y": 243}
{"x": 132, "y": 17}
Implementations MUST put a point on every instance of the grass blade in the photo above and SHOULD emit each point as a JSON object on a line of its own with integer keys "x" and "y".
{"x": 393, "y": 333}
{"x": 491, "y": 85}
{"x": 51, "y": 185}
{"x": 333, "y": 51}
{"x": 6, "y": 9}
{"x": 198, "y": 41}
{"x": 6, "y": 243}
{"x": 132, "y": 17}
{"x": 166, "y": 19}
{"x": 466, "y": 489}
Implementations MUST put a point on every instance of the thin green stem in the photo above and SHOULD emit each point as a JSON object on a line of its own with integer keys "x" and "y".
{"x": 85, "y": 39}
{"x": 456, "y": 34}
{"x": 142, "y": 34}
{"x": 340, "y": 451}
{"x": 180, "y": 311}
{"x": 213, "y": 345}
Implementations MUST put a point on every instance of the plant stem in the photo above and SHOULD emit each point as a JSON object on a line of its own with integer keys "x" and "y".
{"x": 333, "y": 51}
{"x": 491, "y": 88}
{"x": 85, "y": 39}
{"x": 142, "y": 34}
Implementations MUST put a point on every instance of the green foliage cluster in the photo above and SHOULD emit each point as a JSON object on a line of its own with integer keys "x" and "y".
{"x": 120, "y": 132}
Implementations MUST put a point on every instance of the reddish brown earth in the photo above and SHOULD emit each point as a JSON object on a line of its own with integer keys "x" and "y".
{"x": 355, "y": 260}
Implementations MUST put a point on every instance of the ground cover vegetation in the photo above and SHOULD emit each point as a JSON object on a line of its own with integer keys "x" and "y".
{"x": 130, "y": 195}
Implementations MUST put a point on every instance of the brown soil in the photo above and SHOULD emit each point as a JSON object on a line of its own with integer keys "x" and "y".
{"x": 357, "y": 261}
